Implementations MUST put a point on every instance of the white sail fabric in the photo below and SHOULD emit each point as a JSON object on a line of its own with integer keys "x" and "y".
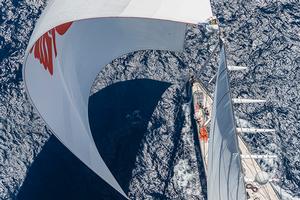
{"x": 61, "y": 11}
{"x": 225, "y": 178}
{"x": 74, "y": 39}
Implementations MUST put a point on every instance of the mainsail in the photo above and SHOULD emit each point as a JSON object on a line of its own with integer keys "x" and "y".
{"x": 74, "y": 39}
{"x": 225, "y": 180}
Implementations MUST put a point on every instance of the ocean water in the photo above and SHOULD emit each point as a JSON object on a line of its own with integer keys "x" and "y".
{"x": 162, "y": 161}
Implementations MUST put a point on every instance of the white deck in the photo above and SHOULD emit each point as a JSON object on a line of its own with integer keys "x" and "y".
{"x": 197, "y": 87}
{"x": 250, "y": 166}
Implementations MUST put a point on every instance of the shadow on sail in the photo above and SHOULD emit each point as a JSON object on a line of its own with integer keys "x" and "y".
{"x": 118, "y": 116}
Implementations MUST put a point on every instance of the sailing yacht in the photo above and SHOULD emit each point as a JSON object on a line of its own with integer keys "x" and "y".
{"x": 74, "y": 39}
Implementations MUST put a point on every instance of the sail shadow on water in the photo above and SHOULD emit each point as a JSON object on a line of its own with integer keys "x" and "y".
{"x": 118, "y": 116}
{"x": 58, "y": 174}
{"x": 167, "y": 165}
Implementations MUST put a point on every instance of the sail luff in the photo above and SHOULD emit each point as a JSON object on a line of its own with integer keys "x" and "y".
{"x": 224, "y": 165}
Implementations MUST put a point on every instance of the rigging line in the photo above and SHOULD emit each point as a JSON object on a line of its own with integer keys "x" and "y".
{"x": 209, "y": 58}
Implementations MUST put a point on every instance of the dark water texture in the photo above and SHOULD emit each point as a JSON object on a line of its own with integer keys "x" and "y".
{"x": 263, "y": 35}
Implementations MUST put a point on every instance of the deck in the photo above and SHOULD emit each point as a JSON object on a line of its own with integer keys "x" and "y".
{"x": 198, "y": 90}
{"x": 250, "y": 167}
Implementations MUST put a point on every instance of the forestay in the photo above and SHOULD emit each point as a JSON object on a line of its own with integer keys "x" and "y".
{"x": 74, "y": 39}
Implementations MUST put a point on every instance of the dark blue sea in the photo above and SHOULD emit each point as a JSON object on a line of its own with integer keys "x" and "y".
{"x": 142, "y": 102}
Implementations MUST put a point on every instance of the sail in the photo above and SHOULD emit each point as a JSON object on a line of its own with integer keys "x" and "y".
{"x": 74, "y": 39}
{"x": 225, "y": 178}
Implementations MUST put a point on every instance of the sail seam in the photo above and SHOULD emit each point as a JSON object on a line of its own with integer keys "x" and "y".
{"x": 222, "y": 98}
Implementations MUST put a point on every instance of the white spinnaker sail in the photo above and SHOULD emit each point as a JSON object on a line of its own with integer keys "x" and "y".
{"x": 225, "y": 178}
{"x": 74, "y": 39}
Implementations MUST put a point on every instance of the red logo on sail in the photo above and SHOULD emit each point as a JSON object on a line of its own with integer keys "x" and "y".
{"x": 44, "y": 45}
